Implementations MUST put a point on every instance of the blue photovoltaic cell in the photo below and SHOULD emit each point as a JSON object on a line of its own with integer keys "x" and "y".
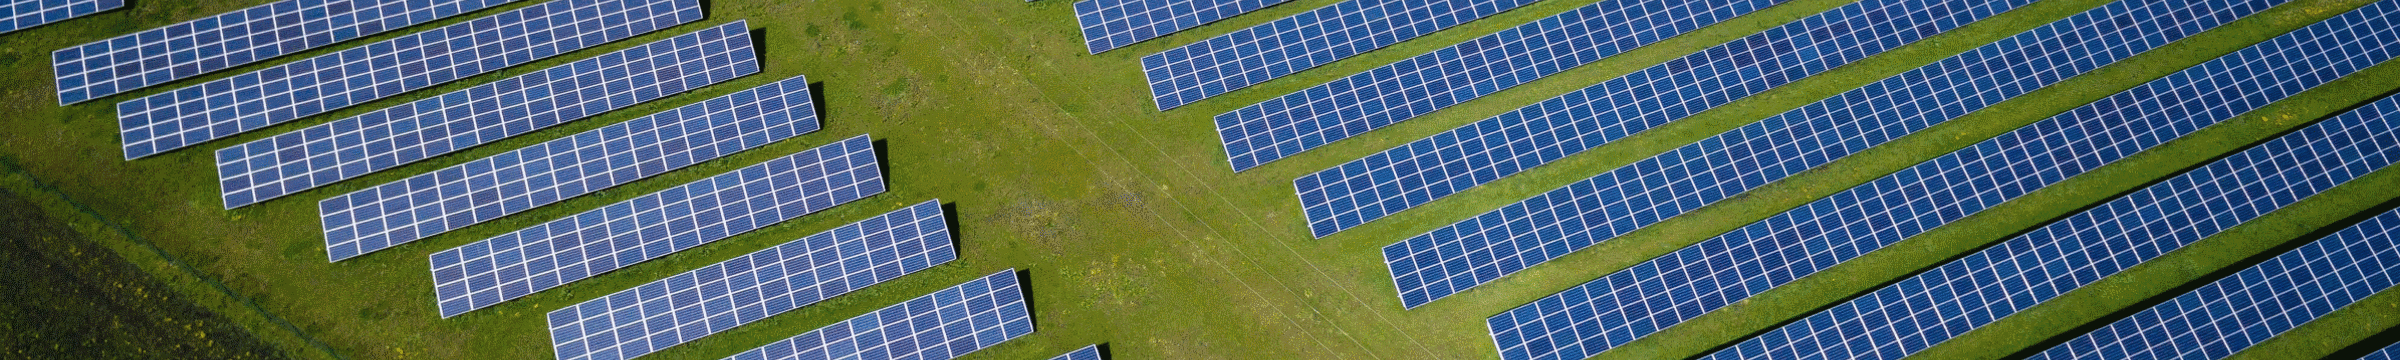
{"x": 2388, "y": 353}
{"x": 1232, "y": 61}
{"x": 187, "y": 49}
{"x": 1521, "y": 235}
{"x": 943, "y": 325}
{"x": 383, "y": 139}
{"x": 20, "y": 14}
{"x": 1934, "y": 306}
{"x": 1088, "y": 352}
{"x": 544, "y": 256}
{"x": 1372, "y": 99}
{"x": 687, "y": 306}
{"x": 2238, "y": 311}
{"x": 409, "y": 209}
{"x": 1764, "y": 255}
{"x": 1111, "y": 24}
{"x": 233, "y": 105}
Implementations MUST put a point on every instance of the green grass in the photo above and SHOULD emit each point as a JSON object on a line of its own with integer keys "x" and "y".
{"x": 1132, "y": 228}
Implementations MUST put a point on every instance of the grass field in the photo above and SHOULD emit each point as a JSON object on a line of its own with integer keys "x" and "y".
{"x": 1133, "y": 229}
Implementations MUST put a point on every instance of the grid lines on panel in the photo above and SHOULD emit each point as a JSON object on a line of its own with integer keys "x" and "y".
{"x": 2234, "y": 313}
{"x": 583, "y": 245}
{"x": 1369, "y": 100}
{"x": 1980, "y": 288}
{"x": 225, "y": 107}
{"x": 187, "y": 49}
{"x": 1088, "y": 352}
{"x": 1221, "y": 64}
{"x": 318, "y": 155}
{"x": 20, "y": 14}
{"x": 1393, "y": 180}
{"x": 1773, "y": 252}
{"x": 1111, "y": 24}
{"x": 405, "y": 210}
{"x": 719, "y": 297}
{"x": 942, "y": 325}
{"x": 2388, "y": 353}
{"x": 1520, "y": 235}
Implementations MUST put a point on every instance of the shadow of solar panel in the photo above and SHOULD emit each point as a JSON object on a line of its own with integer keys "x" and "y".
{"x": 943, "y": 325}
{"x": 712, "y": 299}
{"x": 1419, "y": 172}
{"x": 1578, "y": 215}
{"x": 20, "y": 14}
{"x": 1250, "y": 56}
{"x": 1372, "y": 99}
{"x": 173, "y": 52}
{"x": 1111, "y": 24}
{"x": 507, "y": 183}
{"x": 323, "y": 154}
{"x": 233, "y": 105}
{"x": 1776, "y": 251}
{"x": 2234, "y": 313}
{"x": 1088, "y": 352}
{"x": 1978, "y": 289}
{"x": 583, "y": 245}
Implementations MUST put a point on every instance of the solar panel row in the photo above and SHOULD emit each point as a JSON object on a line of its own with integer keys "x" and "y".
{"x": 1372, "y": 99}
{"x": 718, "y": 297}
{"x": 1232, "y": 61}
{"x": 561, "y": 251}
{"x": 187, "y": 49}
{"x": 1978, "y": 289}
{"x": 323, "y": 154}
{"x": 405, "y": 210}
{"x": 2388, "y": 353}
{"x": 1404, "y": 177}
{"x": 1720, "y": 271}
{"x": 942, "y": 325}
{"x": 1111, "y": 24}
{"x": 1090, "y": 352}
{"x": 2231, "y": 314}
{"x": 1501, "y": 242}
{"x": 20, "y": 14}
{"x": 233, "y": 105}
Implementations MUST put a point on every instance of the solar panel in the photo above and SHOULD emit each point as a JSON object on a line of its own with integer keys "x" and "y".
{"x": 1478, "y": 250}
{"x": 1232, "y": 61}
{"x": 233, "y": 105}
{"x": 1934, "y": 306}
{"x": 323, "y": 154}
{"x": 1767, "y": 254}
{"x": 1372, "y": 99}
{"x": 2388, "y": 353}
{"x": 20, "y": 14}
{"x": 405, "y": 210}
{"x": 2232, "y": 314}
{"x": 1088, "y": 352}
{"x": 943, "y": 325}
{"x": 1111, "y": 24}
{"x": 712, "y": 299}
{"x": 561, "y": 251}
{"x": 187, "y": 49}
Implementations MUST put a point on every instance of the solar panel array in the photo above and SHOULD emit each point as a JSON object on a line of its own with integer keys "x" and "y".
{"x": 1111, "y": 24}
{"x": 1232, "y": 61}
{"x": 1088, "y": 352}
{"x": 323, "y": 154}
{"x": 20, "y": 14}
{"x": 187, "y": 49}
{"x": 2388, "y": 353}
{"x": 1404, "y": 177}
{"x": 405, "y": 210}
{"x": 943, "y": 325}
{"x": 1478, "y": 250}
{"x": 1372, "y": 99}
{"x": 1767, "y": 254}
{"x": 547, "y": 255}
{"x": 718, "y": 297}
{"x": 233, "y": 105}
{"x": 2239, "y": 311}
{"x": 1934, "y": 306}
